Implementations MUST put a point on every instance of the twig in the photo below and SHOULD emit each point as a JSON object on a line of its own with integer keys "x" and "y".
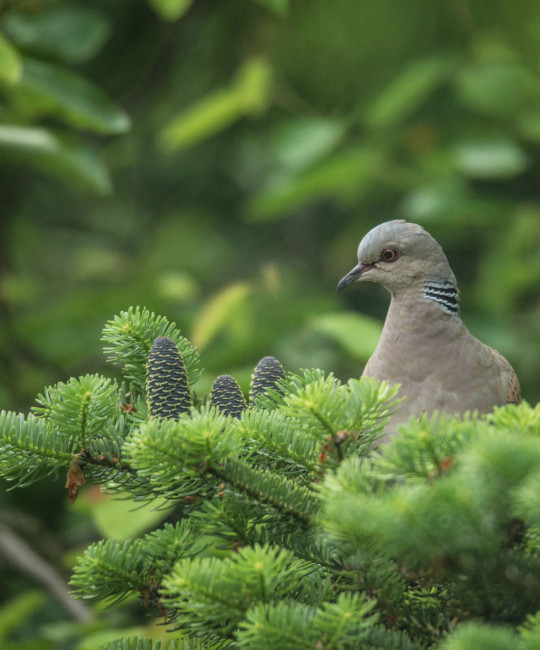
{"x": 16, "y": 550}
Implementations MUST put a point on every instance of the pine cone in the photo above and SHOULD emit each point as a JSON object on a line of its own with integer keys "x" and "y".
{"x": 166, "y": 380}
{"x": 267, "y": 372}
{"x": 227, "y": 396}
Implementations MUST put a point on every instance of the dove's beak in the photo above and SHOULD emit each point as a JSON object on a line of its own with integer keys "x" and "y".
{"x": 353, "y": 275}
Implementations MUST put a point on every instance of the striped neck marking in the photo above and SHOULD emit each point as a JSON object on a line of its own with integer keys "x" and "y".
{"x": 445, "y": 293}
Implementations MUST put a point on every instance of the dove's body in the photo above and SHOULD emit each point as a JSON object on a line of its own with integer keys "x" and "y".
{"x": 424, "y": 345}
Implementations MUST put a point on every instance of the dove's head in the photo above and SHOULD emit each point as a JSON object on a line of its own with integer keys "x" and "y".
{"x": 401, "y": 256}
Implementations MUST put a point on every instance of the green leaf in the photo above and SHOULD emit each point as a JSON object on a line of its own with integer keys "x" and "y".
{"x": 448, "y": 199}
{"x": 211, "y": 115}
{"x": 10, "y": 62}
{"x": 248, "y": 95}
{"x": 65, "y": 157}
{"x": 16, "y": 611}
{"x": 344, "y": 174}
{"x": 528, "y": 125}
{"x": 170, "y": 9}
{"x": 218, "y": 313}
{"x": 357, "y": 334}
{"x": 280, "y": 7}
{"x": 498, "y": 89}
{"x": 69, "y": 32}
{"x": 301, "y": 142}
{"x": 490, "y": 159}
{"x": 123, "y": 518}
{"x": 252, "y": 86}
{"x": 407, "y": 92}
{"x": 52, "y": 90}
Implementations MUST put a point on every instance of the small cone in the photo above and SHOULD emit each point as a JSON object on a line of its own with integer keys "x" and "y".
{"x": 267, "y": 372}
{"x": 166, "y": 380}
{"x": 227, "y": 396}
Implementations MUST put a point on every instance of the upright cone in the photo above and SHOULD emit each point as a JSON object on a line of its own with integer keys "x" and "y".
{"x": 166, "y": 380}
{"x": 265, "y": 376}
{"x": 227, "y": 396}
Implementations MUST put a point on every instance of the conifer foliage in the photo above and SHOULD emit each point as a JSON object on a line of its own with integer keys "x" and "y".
{"x": 290, "y": 528}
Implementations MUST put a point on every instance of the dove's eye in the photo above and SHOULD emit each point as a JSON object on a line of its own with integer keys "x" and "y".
{"x": 389, "y": 255}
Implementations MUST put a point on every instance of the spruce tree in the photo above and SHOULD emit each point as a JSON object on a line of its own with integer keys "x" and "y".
{"x": 291, "y": 528}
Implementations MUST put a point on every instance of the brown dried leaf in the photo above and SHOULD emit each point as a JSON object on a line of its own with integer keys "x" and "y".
{"x": 75, "y": 478}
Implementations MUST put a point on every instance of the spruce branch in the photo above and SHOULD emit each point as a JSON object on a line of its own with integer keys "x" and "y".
{"x": 384, "y": 639}
{"x": 317, "y": 403}
{"x": 167, "y": 545}
{"x": 289, "y": 624}
{"x": 479, "y": 635}
{"x": 280, "y": 443}
{"x": 426, "y": 448}
{"x": 266, "y": 487}
{"x": 133, "y": 643}
{"x": 113, "y": 570}
{"x": 346, "y": 621}
{"x": 75, "y": 423}
{"x": 459, "y": 523}
{"x": 177, "y": 456}
{"x": 238, "y": 521}
{"x": 212, "y": 595}
{"x": 80, "y": 407}
{"x": 521, "y": 418}
{"x": 32, "y": 449}
{"x": 279, "y": 626}
{"x": 530, "y": 630}
{"x": 139, "y": 643}
{"x": 323, "y": 420}
{"x": 306, "y": 544}
{"x": 347, "y": 418}
{"x": 192, "y": 455}
{"x": 227, "y": 519}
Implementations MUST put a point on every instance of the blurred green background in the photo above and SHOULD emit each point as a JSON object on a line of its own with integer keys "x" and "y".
{"x": 218, "y": 162}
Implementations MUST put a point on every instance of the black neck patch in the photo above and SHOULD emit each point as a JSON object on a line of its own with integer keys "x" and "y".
{"x": 445, "y": 293}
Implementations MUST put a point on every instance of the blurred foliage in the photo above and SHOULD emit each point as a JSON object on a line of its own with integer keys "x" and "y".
{"x": 219, "y": 161}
